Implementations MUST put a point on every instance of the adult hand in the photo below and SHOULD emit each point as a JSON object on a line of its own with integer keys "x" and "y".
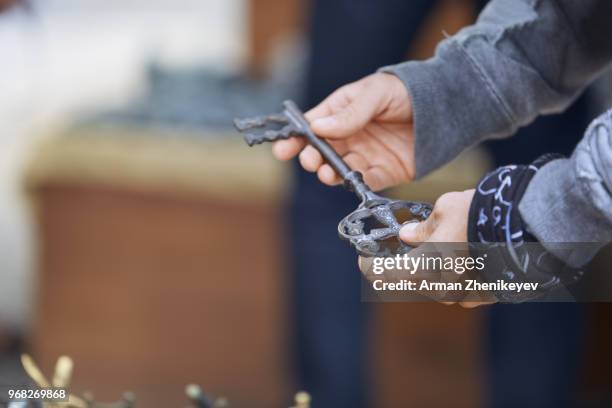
{"x": 369, "y": 123}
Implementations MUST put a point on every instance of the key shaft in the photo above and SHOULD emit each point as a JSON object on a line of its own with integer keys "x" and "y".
{"x": 353, "y": 180}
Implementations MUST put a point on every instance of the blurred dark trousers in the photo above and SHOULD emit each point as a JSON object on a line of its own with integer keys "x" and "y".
{"x": 350, "y": 39}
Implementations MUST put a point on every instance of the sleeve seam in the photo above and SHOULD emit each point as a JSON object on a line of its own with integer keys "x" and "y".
{"x": 489, "y": 85}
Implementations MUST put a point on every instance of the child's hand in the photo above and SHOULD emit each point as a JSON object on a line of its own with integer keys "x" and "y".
{"x": 369, "y": 123}
{"x": 448, "y": 221}
{"x": 446, "y": 224}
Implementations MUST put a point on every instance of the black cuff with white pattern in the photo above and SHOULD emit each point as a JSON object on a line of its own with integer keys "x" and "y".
{"x": 496, "y": 226}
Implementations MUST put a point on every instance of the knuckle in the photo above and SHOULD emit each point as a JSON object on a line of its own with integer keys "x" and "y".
{"x": 442, "y": 202}
{"x": 447, "y": 199}
{"x": 348, "y": 115}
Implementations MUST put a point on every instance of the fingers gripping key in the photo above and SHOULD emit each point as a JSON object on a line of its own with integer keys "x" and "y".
{"x": 373, "y": 229}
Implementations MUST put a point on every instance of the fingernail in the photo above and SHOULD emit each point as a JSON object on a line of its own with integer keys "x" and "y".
{"x": 325, "y": 123}
{"x": 278, "y": 148}
{"x": 407, "y": 230}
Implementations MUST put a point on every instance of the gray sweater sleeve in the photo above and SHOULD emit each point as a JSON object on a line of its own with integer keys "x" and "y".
{"x": 521, "y": 59}
{"x": 570, "y": 200}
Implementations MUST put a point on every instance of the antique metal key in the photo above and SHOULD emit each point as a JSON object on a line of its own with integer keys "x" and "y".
{"x": 374, "y": 226}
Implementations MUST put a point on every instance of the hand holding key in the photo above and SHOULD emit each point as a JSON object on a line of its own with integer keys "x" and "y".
{"x": 373, "y": 229}
{"x": 369, "y": 123}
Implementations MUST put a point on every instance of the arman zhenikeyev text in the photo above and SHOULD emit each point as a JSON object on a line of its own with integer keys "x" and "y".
{"x": 467, "y": 285}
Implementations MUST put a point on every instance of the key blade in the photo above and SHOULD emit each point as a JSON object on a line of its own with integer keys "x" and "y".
{"x": 262, "y": 129}
{"x": 252, "y": 139}
{"x": 260, "y": 122}
{"x": 243, "y": 124}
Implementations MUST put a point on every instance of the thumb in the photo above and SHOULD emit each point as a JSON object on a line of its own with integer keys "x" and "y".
{"x": 350, "y": 119}
{"x": 417, "y": 232}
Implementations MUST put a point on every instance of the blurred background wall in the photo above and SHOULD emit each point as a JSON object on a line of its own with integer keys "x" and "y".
{"x": 61, "y": 58}
{"x": 140, "y": 236}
